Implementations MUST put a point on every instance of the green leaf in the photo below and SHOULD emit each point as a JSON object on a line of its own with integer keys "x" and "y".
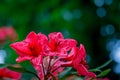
{"x": 17, "y": 69}
{"x": 104, "y": 65}
{"x": 79, "y": 78}
{"x": 95, "y": 70}
{"x": 64, "y": 73}
{"x": 21, "y": 70}
{"x": 3, "y": 65}
{"x": 104, "y": 73}
{"x": 74, "y": 73}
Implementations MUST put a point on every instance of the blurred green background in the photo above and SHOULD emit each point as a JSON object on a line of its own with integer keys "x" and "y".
{"x": 95, "y": 23}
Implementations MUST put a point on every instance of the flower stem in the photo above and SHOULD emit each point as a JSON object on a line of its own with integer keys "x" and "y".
{"x": 49, "y": 64}
{"x": 53, "y": 77}
{"x": 55, "y": 69}
{"x": 43, "y": 69}
{"x": 56, "y": 61}
{"x": 34, "y": 74}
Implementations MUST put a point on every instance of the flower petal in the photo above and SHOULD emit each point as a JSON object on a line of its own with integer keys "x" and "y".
{"x": 23, "y": 58}
{"x": 83, "y": 71}
{"x": 22, "y": 48}
{"x": 37, "y": 60}
{"x": 6, "y": 73}
{"x": 42, "y": 39}
{"x": 31, "y": 38}
{"x": 68, "y": 44}
{"x": 56, "y": 36}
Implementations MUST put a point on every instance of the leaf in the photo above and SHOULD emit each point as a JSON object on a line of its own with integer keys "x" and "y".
{"x": 95, "y": 70}
{"x": 65, "y": 72}
{"x": 3, "y": 65}
{"x": 22, "y": 70}
{"x": 11, "y": 67}
{"x": 104, "y": 73}
{"x": 79, "y": 78}
{"x": 105, "y": 64}
{"x": 102, "y": 66}
{"x": 73, "y": 73}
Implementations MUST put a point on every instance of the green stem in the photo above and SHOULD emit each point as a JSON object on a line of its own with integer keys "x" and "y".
{"x": 34, "y": 74}
{"x": 105, "y": 64}
{"x": 102, "y": 66}
{"x": 49, "y": 64}
{"x": 43, "y": 69}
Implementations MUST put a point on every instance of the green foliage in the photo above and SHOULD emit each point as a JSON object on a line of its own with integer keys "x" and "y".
{"x": 104, "y": 73}
{"x": 3, "y": 65}
{"x": 18, "y": 69}
{"x": 100, "y": 67}
{"x": 64, "y": 73}
{"x": 50, "y": 16}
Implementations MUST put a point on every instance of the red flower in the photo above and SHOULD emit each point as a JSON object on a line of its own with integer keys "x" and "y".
{"x": 45, "y": 54}
{"x": 76, "y": 59}
{"x": 7, "y": 33}
{"x": 6, "y": 73}
{"x": 31, "y": 48}
{"x": 58, "y": 46}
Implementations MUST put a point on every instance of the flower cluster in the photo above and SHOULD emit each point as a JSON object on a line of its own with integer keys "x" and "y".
{"x": 6, "y": 74}
{"x": 50, "y": 55}
{"x": 7, "y": 33}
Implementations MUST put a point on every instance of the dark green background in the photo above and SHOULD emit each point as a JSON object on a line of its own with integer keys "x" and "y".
{"x": 59, "y": 15}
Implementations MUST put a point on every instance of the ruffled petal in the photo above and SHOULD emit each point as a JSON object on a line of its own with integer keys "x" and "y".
{"x": 42, "y": 39}
{"x": 22, "y": 48}
{"x": 31, "y": 37}
{"x": 67, "y": 44}
{"x": 82, "y": 51}
{"x": 83, "y": 71}
{"x": 72, "y": 54}
{"x": 56, "y": 36}
{"x": 23, "y": 58}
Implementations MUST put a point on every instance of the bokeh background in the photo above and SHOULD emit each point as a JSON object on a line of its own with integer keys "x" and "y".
{"x": 95, "y": 23}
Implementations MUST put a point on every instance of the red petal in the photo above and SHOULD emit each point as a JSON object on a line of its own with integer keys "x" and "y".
{"x": 66, "y": 64}
{"x": 83, "y": 71}
{"x": 56, "y": 36}
{"x": 31, "y": 38}
{"x": 22, "y": 48}
{"x": 68, "y": 44}
{"x": 82, "y": 51}
{"x": 23, "y": 58}
{"x": 37, "y": 60}
{"x": 80, "y": 55}
{"x": 72, "y": 54}
{"x": 32, "y": 35}
{"x": 6, "y": 73}
{"x": 42, "y": 39}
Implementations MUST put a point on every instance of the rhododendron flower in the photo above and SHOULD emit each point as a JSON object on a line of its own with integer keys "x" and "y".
{"x": 31, "y": 48}
{"x": 12, "y": 75}
{"x": 50, "y": 55}
{"x": 76, "y": 59}
{"x": 7, "y": 33}
{"x": 58, "y": 46}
